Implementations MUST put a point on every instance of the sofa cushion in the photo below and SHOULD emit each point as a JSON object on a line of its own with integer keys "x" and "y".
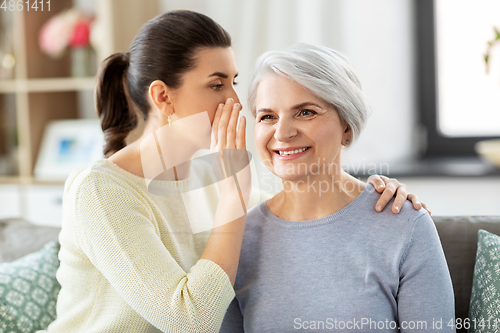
{"x": 19, "y": 238}
{"x": 485, "y": 298}
{"x": 28, "y": 291}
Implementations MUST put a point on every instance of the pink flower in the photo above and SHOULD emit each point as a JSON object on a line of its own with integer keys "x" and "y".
{"x": 69, "y": 28}
{"x": 81, "y": 33}
{"x": 53, "y": 37}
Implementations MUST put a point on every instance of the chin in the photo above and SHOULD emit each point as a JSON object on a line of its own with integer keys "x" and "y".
{"x": 295, "y": 179}
{"x": 290, "y": 177}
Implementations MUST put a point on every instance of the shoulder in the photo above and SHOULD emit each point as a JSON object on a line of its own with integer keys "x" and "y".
{"x": 82, "y": 176}
{"x": 101, "y": 170}
{"x": 101, "y": 182}
{"x": 385, "y": 226}
{"x": 407, "y": 215}
{"x": 97, "y": 196}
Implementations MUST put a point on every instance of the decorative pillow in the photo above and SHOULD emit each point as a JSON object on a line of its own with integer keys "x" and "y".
{"x": 484, "y": 311}
{"x": 28, "y": 291}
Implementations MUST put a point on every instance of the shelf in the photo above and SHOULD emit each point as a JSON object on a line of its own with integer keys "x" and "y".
{"x": 40, "y": 89}
{"x": 9, "y": 160}
{"x": 28, "y": 181}
{"x": 47, "y": 85}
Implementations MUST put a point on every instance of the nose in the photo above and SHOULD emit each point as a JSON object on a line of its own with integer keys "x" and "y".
{"x": 232, "y": 94}
{"x": 285, "y": 130}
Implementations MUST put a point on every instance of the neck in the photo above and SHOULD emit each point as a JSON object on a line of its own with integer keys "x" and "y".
{"x": 316, "y": 197}
{"x": 174, "y": 152}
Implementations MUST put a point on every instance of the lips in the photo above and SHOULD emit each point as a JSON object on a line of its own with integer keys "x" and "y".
{"x": 290, "y": 152}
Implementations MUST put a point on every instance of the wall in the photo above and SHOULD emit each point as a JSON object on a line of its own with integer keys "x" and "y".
{"x": 458, "y": 196}
{"x": 377, "y": 36}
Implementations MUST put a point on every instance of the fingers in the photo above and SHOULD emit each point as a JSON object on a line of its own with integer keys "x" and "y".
{"x": 394, "y": 188}
{"x": 226, "y": 135}
{"x": 401, "y": 195}
{"x": 215, "y": 124}
{"x": 223, "y": 123}
{"x": 426, "y": 208}
{"x": 391, "y": 187}
{"x": 231, "y": 128}
{"x": 241, "y": 136}
{"x": 417, "y": 204}
{"x": 377, "y": 183}
{"x": 415, "y": 200}
{"x": 390, "y": 190}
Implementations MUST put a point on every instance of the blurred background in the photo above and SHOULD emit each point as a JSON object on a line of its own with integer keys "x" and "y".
{"x": 431, "y": 76}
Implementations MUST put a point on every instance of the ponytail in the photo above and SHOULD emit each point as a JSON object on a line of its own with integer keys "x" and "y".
{"x": 111, "y": 97}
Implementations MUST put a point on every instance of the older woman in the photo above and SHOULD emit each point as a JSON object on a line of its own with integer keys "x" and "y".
{"x": 317, "y": 256}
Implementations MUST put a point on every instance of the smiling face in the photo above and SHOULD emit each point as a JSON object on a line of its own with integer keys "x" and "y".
{"x": 209, "y": 83}
{"x": 296, "y": 133}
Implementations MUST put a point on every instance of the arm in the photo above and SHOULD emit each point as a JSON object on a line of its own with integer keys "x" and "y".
{"x": 116, "y": 230}
{"x": 233, "y": 321}
{"x": 425, "y": 289}
{"x": 390, "y": 187}
{"x": 117, "y": 233}
{"x": 224, "y": 244}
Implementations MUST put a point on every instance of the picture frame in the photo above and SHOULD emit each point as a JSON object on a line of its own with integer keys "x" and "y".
{"x": 68, "y": 145}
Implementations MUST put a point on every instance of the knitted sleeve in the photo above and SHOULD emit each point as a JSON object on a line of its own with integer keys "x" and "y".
{"x": 425, "y": 296}
{"x": 114, "y": 228}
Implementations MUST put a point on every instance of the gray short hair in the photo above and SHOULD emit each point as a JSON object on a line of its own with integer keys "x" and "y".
{"x": 324, "y": 72}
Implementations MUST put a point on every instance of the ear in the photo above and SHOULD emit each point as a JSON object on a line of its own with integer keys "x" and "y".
{"x": 347, "y": 135}
{"x": 159, "y": 93}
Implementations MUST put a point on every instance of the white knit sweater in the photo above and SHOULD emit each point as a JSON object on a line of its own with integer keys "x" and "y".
{"x": 129, "y": 260}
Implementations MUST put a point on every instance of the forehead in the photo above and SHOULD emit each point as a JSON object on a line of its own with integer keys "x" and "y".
{"x": 215, "y": 59}
{"x": 279, "y": 91}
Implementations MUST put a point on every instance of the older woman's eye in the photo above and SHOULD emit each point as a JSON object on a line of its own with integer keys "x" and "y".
{"x": 266, "y": 117}
{"x": 307, "y": 112}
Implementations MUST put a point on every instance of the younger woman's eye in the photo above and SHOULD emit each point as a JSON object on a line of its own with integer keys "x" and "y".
{"x": 217, "y": 87}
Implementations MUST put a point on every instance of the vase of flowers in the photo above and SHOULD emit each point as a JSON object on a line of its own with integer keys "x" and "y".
{"x": 71, "y": 30}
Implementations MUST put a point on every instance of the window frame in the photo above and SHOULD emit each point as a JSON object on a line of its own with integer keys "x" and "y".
{"x": 435, "y": 144}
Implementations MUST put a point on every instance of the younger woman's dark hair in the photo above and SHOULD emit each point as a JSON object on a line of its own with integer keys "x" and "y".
{"x": 164, "y": 49}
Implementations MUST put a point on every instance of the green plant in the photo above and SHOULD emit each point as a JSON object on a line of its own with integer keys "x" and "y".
{"x": 492, "y": 42}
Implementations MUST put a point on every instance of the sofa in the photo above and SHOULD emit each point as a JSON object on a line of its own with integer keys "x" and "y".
{"x": 458, "y": 234}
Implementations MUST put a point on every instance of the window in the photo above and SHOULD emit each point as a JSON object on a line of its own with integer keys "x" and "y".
{"x": 459, "y": 100}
